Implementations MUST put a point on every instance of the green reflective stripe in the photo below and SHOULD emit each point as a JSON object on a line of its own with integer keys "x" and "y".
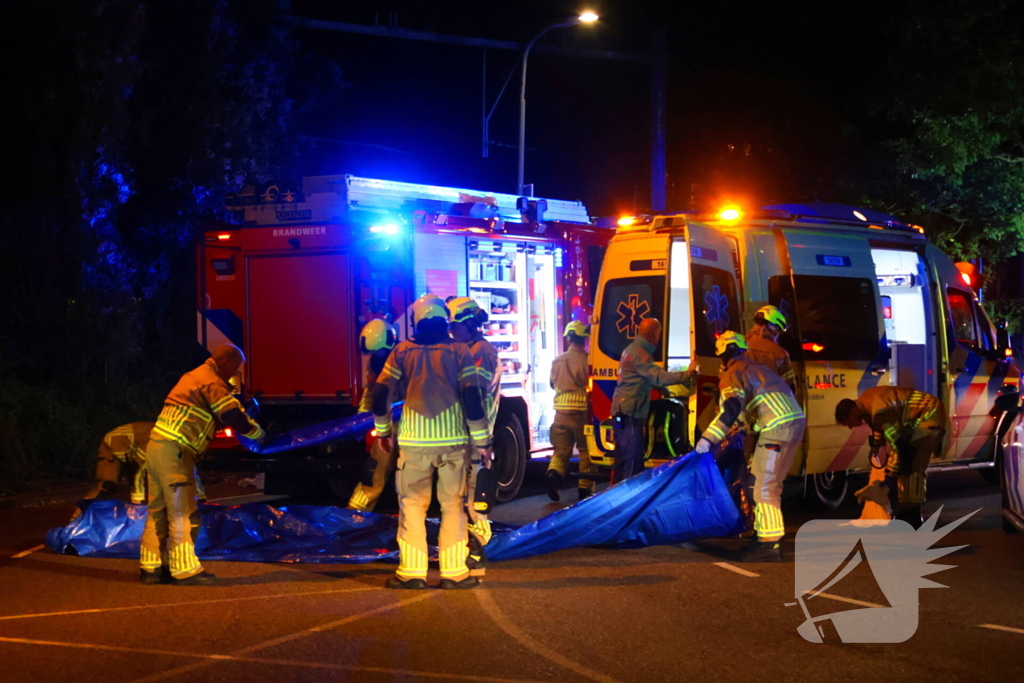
{"x": 779, "y": 421}
{"x": 219, "y": 406}
{"x": 255, "y": 433}
{"x": 447, "y": 428}
{"x": 716, "y": 431}
{"x": 571, "y": 400}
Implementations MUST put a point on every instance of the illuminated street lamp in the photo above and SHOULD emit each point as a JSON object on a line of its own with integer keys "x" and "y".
{"x": 587, "y": 17}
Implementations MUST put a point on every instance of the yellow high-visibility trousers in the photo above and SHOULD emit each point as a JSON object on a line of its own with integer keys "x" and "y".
{"x": 773, "y": 456}
{"x": 416, "y": 466}
{"x": 172, "y": 524}
{"x": 566, "y": 433}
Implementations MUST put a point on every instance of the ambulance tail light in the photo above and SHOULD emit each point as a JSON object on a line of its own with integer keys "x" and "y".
{"x": 814, "y": 348}
{"x": 887, "y": 312}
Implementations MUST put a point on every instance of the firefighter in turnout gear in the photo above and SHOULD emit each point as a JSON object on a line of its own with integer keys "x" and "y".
{"x": 466, "y": 317}
{"x": 126, "y": 445}
{"x": 631, "y": 402}
{"x": 376, "y": 340}
{"x": 763, "y": 344}
{"x": 201, "y": 398}
{"x": 911, "y": 423}
{"x": 767, "y": 405}
{"x": 569, "y": 378}
{"x": 443, "y": 400}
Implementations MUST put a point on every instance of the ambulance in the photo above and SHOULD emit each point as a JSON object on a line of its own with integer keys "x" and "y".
{"x": 293, "y": 282}
{"x": 869, "y": 302}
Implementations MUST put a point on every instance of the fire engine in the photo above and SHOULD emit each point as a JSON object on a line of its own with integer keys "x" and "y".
{"x": 308, "y": 267}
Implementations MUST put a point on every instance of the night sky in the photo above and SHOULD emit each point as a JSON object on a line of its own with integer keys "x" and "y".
{"x": 758, "y": 96}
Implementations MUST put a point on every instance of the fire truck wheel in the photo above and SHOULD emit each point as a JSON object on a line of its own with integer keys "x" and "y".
{"x": 509, "y": 456}
{"x": 827, "y": 490}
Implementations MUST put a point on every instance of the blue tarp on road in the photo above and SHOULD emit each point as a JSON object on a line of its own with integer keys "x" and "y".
{"x": 682, "y": 500}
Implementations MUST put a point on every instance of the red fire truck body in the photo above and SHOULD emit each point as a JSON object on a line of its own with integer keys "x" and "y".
{"x": 295, "y": 284}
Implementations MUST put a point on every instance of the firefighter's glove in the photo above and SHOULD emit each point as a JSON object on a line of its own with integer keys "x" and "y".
{"x": 486, "y": 456}
{"x": 703, "y": 446}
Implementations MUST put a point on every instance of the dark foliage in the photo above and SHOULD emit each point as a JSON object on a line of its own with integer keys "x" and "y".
{"x": 135, "y": 118}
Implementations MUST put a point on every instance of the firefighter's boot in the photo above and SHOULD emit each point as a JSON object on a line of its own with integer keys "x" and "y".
{"x": 552, "y": 480}
{"x": 395, "y": 583}
{"x": 452, "y": 584}
{"x": 911, "y": 514}
{"x": 154, "y": 578}
{"x": 762, "y": 551}
{"x": 584, "y": 494}
{"x": 203, "y": 578}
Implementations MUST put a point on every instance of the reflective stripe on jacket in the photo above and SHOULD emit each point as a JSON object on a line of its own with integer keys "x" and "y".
{"x": 895, "y": 411}
{"x": 766, "y": 351}
{"x": 127, "y": 442}
{"x": 767, "y": 402}
{"x": 196, "y": 402}
{"x": 638, "y": 376}
{"x": 431, "y": 377}
{"x": 569, "y": 380}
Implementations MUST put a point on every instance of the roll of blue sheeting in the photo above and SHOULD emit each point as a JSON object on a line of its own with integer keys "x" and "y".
{"x": 344, "y": 428}
{"x": 679, "y": 501}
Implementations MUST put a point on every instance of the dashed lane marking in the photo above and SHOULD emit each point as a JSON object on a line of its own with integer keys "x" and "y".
{"x": 191, "y": 603}
{"x": 997, "y": 627}
{"x": 288, "y": 638}
{"x": 263, "y": 660}
{"x": 734, "y": 568}
{"x": 26, "y": 553}
{"x": 505, "y": 624}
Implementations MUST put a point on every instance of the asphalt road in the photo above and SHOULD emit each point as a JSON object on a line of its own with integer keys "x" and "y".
{"x": 654, "y": 614}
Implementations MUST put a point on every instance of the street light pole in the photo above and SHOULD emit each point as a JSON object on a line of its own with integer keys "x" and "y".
{"x": 585, "y": 18}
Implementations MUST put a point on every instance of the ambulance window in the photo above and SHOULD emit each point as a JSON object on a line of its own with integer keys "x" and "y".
{"x": 626, "y": 302}
{"x": 714, "y": 300}
{"x": 838, "y": 318}
{"x": 963, "y": 317}
{"x": 988, "y": 335}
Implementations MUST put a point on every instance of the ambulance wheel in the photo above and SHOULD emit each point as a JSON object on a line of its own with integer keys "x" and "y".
{"x": 827, "y": 490}
{"x": 509, "y": 456}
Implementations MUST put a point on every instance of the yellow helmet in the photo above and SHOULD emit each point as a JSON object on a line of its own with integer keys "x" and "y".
{"x": 428, "y": 306}
{"x": 727, "y": 339}
{"x": 377, "y": 335}
{"x": 463, "y": 309}
{"x": 578, "y": 328}
{"x": 771, "y": 315}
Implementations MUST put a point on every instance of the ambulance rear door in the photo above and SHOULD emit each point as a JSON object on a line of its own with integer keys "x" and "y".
{"x": 838, "y": 324}
{"x": 703, "y": 303}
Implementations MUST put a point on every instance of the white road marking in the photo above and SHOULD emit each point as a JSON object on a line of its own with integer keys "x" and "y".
{"x": 840, "y": 598}
{"x": 506, "y": 625}
{"x": 997, "y": 627}
{"x": 183, "y": 604}
{"x": 263, "y": 660}
{"x": 26, "y": 553}
{"x": 288, "y": 638}
{"x": 733, "y": 568}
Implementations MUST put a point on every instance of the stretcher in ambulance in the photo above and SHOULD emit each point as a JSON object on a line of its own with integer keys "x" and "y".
{"x": 869, "y": 302}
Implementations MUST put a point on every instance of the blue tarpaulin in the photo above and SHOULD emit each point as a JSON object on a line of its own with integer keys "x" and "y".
{"x": 681, "y": 500}
{"x": 353, "y": 427}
